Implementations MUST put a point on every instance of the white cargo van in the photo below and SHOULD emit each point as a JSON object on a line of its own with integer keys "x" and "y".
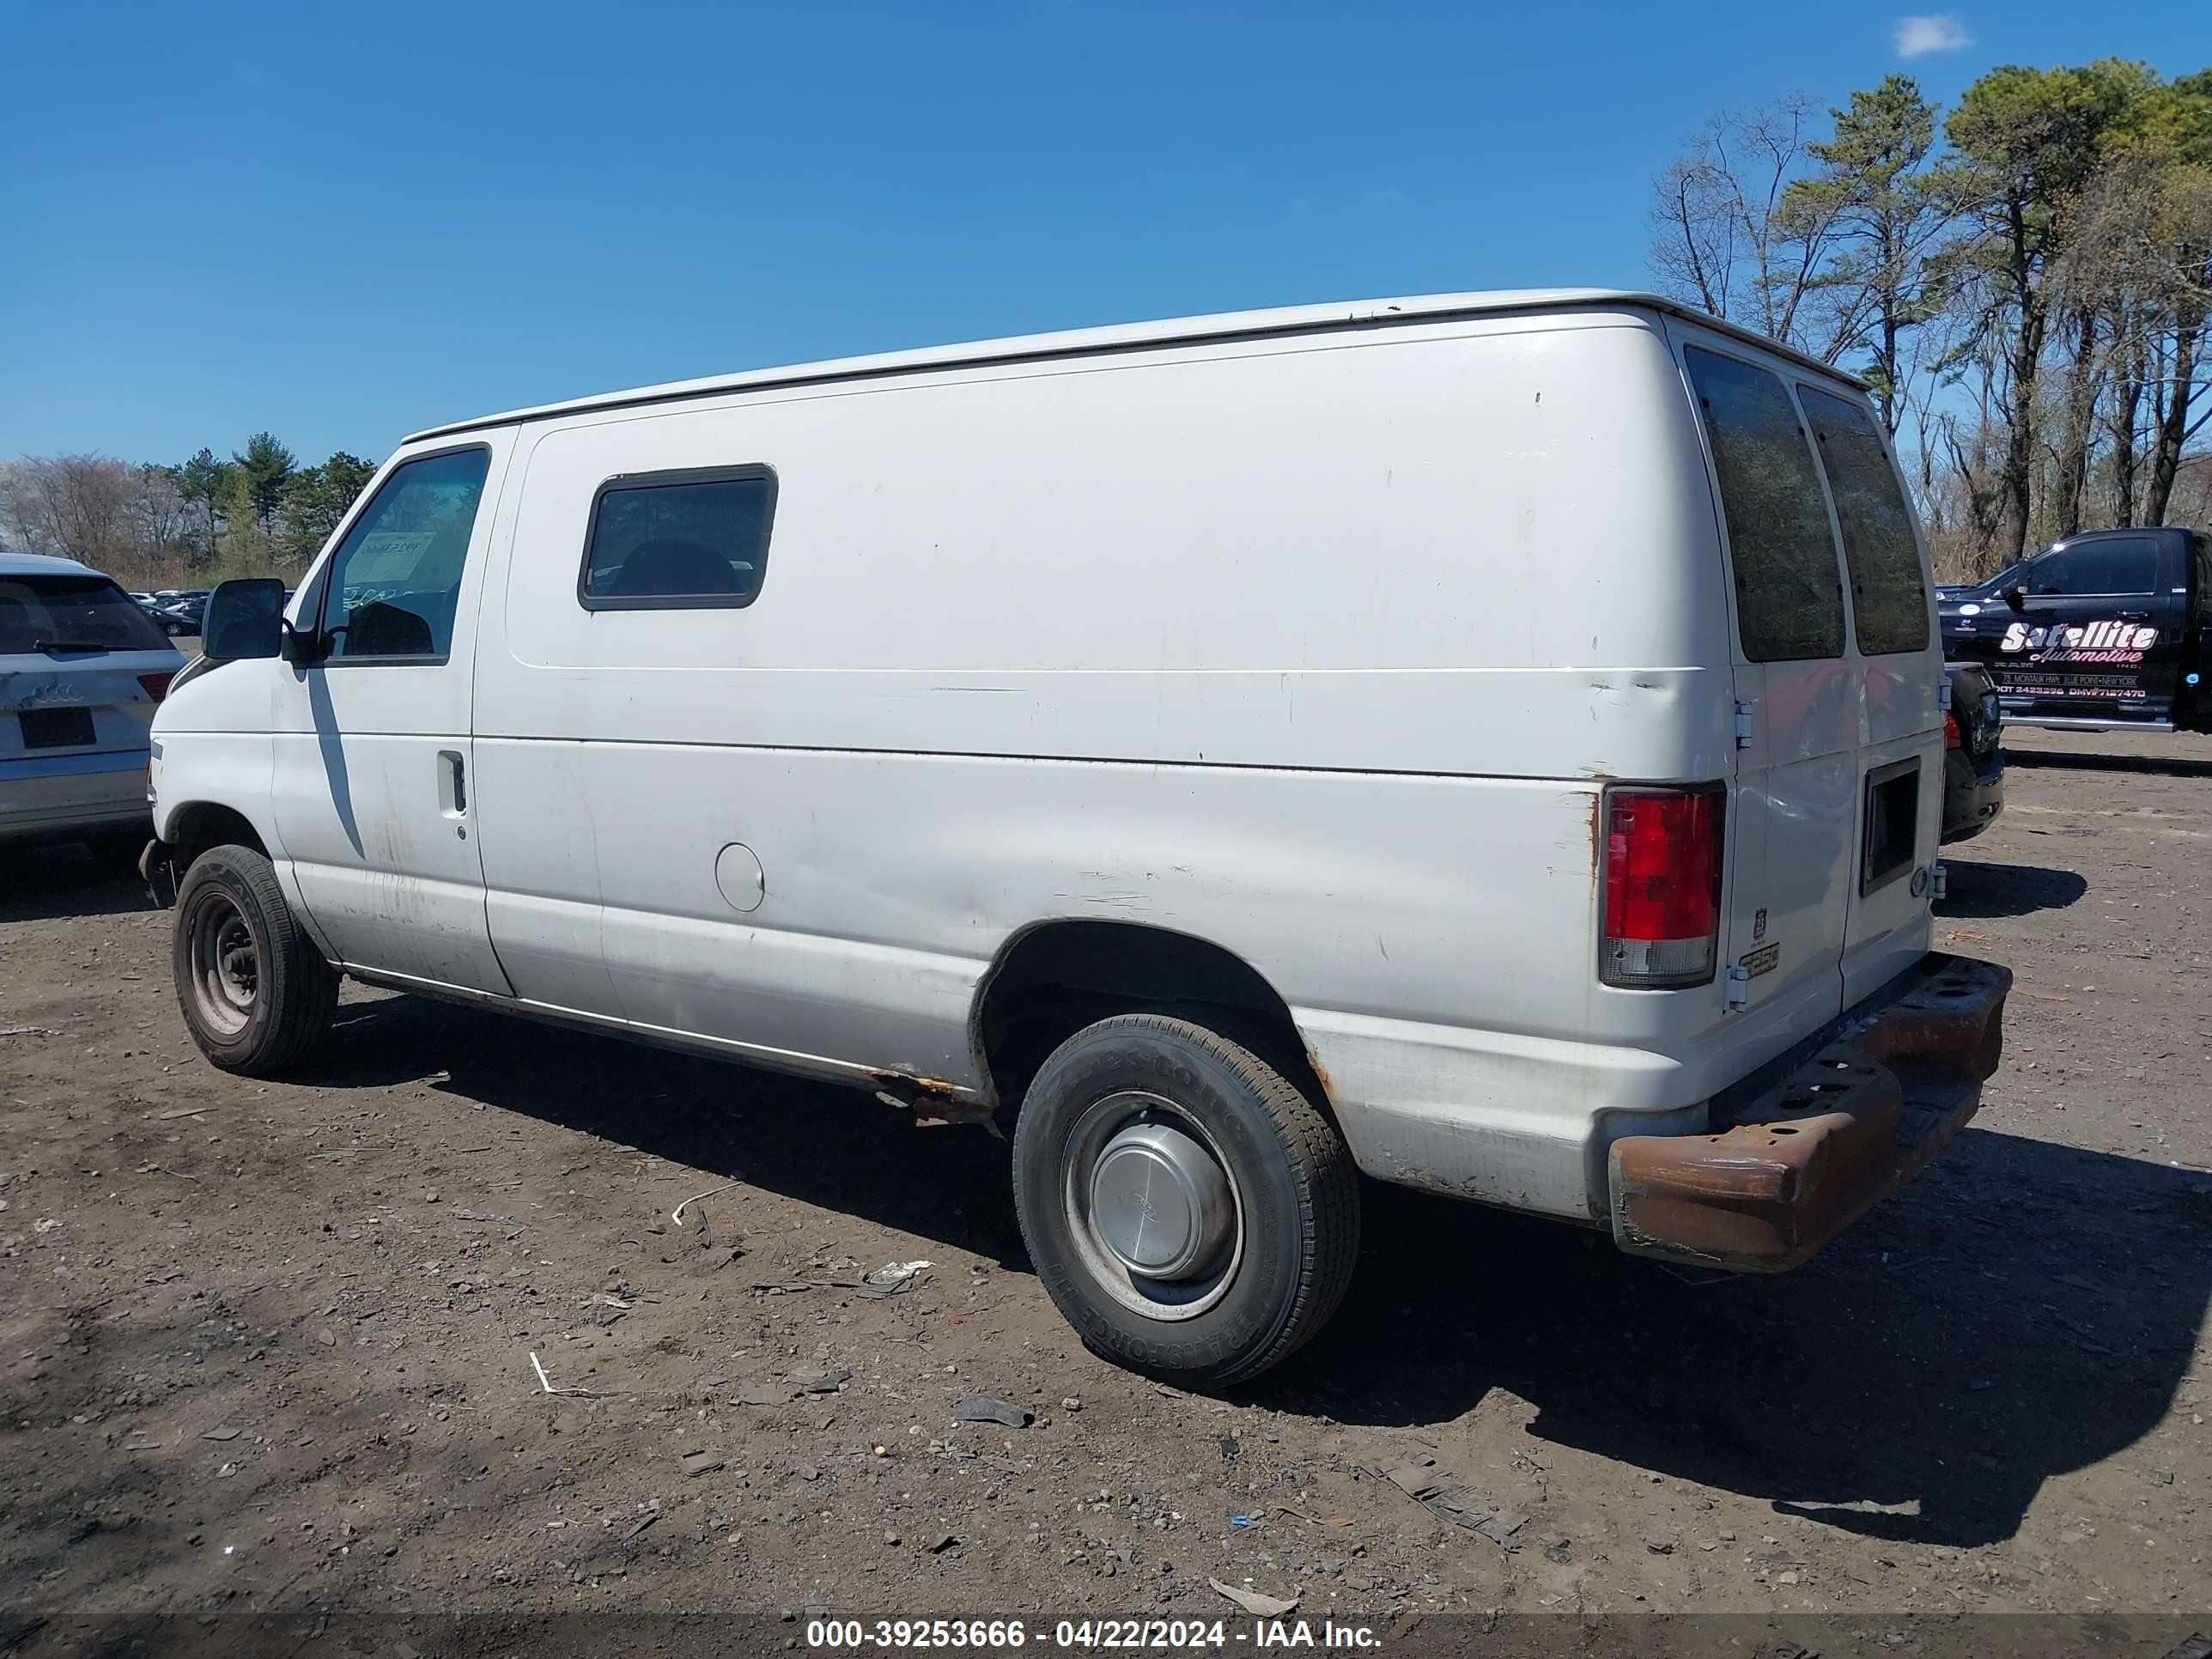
{"x": 1492, "y": 742}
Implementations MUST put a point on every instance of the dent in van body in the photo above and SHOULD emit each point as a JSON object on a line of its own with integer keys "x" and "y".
{"x": 1522, "y": 1122}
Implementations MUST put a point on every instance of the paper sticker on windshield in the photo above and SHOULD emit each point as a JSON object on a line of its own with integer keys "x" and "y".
{"x": 2096, "y": 641}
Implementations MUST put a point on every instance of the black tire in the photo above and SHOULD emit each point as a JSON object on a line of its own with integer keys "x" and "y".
{"x": 1295, "y": 1193}
{"x": 256, "y": 994}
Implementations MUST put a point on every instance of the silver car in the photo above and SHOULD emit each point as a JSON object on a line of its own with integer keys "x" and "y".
{"x": 82, "y": 667}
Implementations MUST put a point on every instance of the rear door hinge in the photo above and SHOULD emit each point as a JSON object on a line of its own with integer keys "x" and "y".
{"x": 1939, "y": 881}
{"x": 1738, "y": 987}
{"x": 1743, "y": 725}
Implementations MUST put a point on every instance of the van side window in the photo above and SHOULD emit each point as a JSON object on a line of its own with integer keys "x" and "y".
{"x": 663, "y": 541}
{"x": 2123, "y": 564}
{"x": 1889, "y": 601}
{"x": 1788, "y": 597}
{"x": 395, "y": 579}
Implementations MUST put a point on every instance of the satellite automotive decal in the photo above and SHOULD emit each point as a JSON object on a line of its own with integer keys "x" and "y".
{"x": 2096, "y": 641}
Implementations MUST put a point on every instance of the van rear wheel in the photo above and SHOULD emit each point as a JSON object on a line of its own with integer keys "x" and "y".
{"x": 1192, "y": 1213}
{"x": 256, "y": 994}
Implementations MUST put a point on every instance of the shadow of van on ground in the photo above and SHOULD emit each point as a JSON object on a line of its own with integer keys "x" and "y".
{"x": 1981, "y": 889}
{"x": 2022, "y": 1310}
{"x": 55, "y": 883}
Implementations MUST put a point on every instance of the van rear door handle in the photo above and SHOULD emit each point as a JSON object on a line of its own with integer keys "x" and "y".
{"x": 2133, "y": 615}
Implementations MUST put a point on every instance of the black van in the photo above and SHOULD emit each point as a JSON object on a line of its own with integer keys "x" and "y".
{"x": 2107, "y": 629}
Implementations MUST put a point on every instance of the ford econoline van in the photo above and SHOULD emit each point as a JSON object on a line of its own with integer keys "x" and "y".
{"x": 1492, "y": 742}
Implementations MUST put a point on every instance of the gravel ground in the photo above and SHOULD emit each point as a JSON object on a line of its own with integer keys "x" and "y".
{"x": 265, "y": 1350}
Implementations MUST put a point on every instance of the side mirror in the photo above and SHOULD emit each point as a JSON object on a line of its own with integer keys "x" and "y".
{"x": 244, "y": 619}
{"x": 2016, "y": 597}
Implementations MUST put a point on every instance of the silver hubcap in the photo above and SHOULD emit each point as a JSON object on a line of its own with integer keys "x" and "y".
{"x": 1160, "y": 1202}
{"x": 226, "y": 968}
{"x": 1151, "y": 1205}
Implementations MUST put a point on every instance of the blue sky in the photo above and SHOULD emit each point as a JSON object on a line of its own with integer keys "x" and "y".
{"x": 344, "y": 223}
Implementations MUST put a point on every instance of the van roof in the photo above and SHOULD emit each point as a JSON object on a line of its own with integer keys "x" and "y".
{"x": 1129, "y": 337}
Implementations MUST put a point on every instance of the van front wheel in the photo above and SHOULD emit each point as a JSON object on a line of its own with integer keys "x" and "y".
{"x": 1191, "y": 1211}
{"x": 257, "y": 995}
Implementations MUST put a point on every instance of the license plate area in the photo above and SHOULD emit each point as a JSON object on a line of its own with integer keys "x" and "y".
{"x": 55, "y": 728}
{"x": 1893, "y": 820}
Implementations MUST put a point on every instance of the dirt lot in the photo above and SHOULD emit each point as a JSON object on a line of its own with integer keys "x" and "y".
{"x": 265, "y": 1350}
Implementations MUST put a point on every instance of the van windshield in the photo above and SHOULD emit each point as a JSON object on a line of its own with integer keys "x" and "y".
{"x": 72, "y": 613}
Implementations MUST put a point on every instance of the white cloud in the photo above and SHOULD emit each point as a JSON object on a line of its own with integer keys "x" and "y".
{"x": 1918, "y": 36}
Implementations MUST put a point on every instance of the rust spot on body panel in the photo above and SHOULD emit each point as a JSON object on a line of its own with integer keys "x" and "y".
{"x": 935, "y": 1103}
{"x": 1320, "y": 1074}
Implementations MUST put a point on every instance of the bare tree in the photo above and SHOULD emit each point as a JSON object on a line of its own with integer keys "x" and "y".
{"x": 80, "y": 506}
{"x": 2191, "y": 502}
{"x": 127, "y": 521}
{"x": 1720, "y": 237}
{"x": 162, "y": 520}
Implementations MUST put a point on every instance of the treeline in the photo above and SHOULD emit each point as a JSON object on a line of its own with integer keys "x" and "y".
{"x": 2025, "y": 279}
{"x": 257, "y": 512}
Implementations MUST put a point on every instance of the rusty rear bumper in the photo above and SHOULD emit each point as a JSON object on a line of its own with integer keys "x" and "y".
{"x": 1792, "y": 1161}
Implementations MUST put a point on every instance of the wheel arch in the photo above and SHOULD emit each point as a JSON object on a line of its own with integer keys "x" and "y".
{"x": 194, "y": 827}
{"x": 1056, "y": 975}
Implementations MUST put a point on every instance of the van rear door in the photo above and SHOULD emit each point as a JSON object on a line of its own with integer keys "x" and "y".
{"x": 1795, "y": 804}
{"x": 1897, "y": 672}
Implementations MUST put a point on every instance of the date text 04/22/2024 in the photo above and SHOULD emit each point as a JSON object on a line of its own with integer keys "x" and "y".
{"x": 1127, "y": 1635}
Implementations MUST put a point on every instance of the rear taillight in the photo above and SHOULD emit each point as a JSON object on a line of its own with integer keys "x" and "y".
{"x": 1662, "y": 886}
{"x": 156, "y": 686}
{"x": 1950, "y": 730}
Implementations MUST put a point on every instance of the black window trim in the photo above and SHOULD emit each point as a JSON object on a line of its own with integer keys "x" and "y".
{"x": 1846, "y": 647}
{"x": 749, "y": 472}
{"x": 1933, "y": 640}
{"x": 440, "y": 659}
{"x": 2158, "y": 569}
{"x": 1871, "y": 881}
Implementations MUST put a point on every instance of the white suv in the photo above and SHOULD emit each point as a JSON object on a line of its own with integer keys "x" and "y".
{"x": 82, "y": 670}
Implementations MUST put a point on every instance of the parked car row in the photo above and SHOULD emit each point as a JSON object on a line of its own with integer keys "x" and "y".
{"x": 176, "y": 610}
